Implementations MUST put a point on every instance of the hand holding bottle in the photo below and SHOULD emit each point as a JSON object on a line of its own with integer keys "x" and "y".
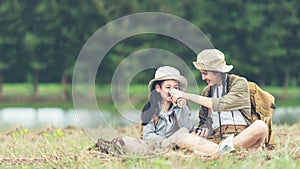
{"x": 176, "y": 96}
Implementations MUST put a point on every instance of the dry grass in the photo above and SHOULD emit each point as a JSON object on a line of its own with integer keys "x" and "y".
{"x": 52, "y": 147}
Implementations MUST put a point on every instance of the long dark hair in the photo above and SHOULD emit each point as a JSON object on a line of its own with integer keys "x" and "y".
{"x": 224, "y": 84}
{"x": 151, "y": 109}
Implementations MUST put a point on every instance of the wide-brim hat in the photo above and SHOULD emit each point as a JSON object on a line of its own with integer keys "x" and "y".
{"x": 169, "y": 73}
{"x": 212, "y": 60}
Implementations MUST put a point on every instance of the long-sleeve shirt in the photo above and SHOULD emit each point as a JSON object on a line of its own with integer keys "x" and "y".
{"x": 237, "y": 99}
{"x": 167, "y": 125}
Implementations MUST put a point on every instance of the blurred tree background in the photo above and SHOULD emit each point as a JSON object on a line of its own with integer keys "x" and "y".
{"x": 41, "y": 39}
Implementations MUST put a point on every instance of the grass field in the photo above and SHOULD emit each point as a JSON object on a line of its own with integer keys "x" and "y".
{"x": 51, "y": 147}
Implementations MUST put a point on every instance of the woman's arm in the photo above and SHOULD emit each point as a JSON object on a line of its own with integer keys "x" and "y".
{"x": 202, "y": 100}
{"x": 237, "y": 98}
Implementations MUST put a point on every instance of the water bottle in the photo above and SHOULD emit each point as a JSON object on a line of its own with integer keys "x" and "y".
{"x": 181, "y": 102}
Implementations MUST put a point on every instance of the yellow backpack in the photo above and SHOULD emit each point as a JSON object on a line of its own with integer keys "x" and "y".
{"x": 262, "y": 108}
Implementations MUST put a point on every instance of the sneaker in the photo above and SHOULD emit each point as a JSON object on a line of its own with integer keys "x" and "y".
{"x": 102, "y": 146}
{"x": 117, "y": 147}
{"x": 226, "y": 145}
{"x": 114, "y": 147}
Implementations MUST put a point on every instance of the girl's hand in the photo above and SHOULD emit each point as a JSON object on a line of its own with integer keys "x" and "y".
{"x": 203, "y": 132}
{"x": 175, "y": 94}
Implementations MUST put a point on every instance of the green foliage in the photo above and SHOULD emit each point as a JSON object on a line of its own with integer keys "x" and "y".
{"x": 53, "y": 134}
{"x": 37, "y": 65}
{"x": 43, "y": 39}
{"x": 31, "y": 41}
{"x": 3, "y": 66}
{"x": 20, "y": 133}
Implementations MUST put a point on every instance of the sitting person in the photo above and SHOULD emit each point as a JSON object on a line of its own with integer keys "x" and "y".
{"x": 225, "y": 105}
{"x": 162, "y": 121}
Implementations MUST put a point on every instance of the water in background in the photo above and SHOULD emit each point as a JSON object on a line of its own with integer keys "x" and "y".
{"x": 34, "y": 118}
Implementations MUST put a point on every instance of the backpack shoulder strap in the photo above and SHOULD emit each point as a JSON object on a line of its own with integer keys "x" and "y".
{"x": 252, "y": 89}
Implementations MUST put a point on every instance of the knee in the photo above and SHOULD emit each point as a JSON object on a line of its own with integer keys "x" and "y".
{"x": 261, "y": 124}
{"x": 261, "y": 127}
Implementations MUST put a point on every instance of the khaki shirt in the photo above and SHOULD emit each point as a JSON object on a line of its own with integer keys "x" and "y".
{"x": 237, "y": 98}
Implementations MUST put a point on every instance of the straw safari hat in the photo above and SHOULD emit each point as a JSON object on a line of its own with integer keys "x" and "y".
{"x": 212, "y": 60}
{"x": 169, "y": 73}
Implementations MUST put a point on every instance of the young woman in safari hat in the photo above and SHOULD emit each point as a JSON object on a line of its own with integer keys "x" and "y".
{"x": 160, "y": 117}
{"x": 163, "y": 123}
{"x": 225, "y": 104}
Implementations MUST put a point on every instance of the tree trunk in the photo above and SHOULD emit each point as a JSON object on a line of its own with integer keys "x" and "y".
{"x": 298, "y": 82}
{"x": 35, "y": 85}
{"x": 286, "y": 84}
{"x": 64, "y": 92}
